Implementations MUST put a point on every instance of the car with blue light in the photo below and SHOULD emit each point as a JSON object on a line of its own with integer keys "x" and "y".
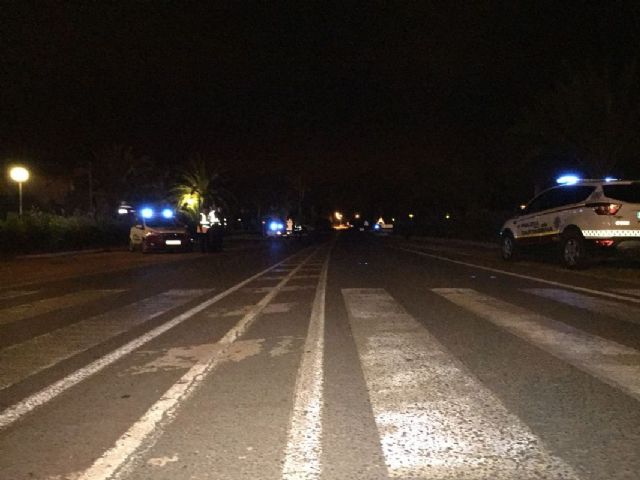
{"x": 158, "y": 230}
{"x": 275, "y": 228}
{"x": 579, "y": 218}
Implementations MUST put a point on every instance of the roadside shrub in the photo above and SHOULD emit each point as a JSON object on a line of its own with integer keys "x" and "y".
{"x": 38, "y": 232}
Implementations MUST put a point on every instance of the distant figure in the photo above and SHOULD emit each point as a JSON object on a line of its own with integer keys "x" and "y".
{"x": 289, "y": 226}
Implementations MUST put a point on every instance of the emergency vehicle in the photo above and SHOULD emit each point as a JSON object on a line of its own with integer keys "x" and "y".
{"x": 579, "y": 217}
{"x": 158, "y": 230}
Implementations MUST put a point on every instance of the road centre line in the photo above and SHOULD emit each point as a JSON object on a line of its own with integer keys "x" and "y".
{"x": 525, "y": 277}
{"x": 115, "y": 461}
{"x": 612, "y": 363}
{"x": 304, "y": 444}
{"x": 16, "y": 411}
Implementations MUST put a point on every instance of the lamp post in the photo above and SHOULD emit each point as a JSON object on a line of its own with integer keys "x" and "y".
{"x": 20, "y": 175}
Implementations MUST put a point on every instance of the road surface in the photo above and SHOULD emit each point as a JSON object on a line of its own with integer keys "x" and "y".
{"x": 356, "y": 358}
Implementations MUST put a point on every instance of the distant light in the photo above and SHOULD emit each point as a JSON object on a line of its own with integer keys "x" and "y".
{"x": 275, "y": 226}
{"x": 447, "y": 216}
{"x": 567, "y": 179}
{"x": 263, "y": 222}
{"x": 610, "y": 179}
{"x": 191, "y": 201}
{"x": 393, "y": 220}
{"x": 167, "y": 213}
{"x": 146, "y": 212}
{"x": 523, "y": 206}
{"x": 239, "y": 219}
{"x": 376, "y": 226}
{"x": 356, "y": 216}
{"x": 123, "y": 211}
{"x": 19, "y": 174}
{"x": 411, "y": 215}
{"x": 338, "y": 216}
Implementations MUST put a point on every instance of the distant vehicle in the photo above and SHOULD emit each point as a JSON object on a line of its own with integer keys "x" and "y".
{"x": 579, "y": 217}
{"x": 274, "y": 228}
{"x": 158, "y": 231}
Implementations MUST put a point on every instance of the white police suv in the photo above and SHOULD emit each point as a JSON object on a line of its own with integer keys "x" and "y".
{"x": 577, "y": 216}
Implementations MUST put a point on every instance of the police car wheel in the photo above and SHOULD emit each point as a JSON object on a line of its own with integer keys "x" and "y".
{"x": 508, "y": 248}
{"x": 573, "y": 250}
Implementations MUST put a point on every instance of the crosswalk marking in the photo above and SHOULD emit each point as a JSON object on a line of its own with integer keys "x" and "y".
{"x": 47, "y": 305}
{"x": 116, "y": 460}
{"x": 22, "y": 360}
{"x": 436, "y": 420}
{"x": 626, "y": 313}
{"x": 7, "y": 294}
{"x": 609, "y": 361}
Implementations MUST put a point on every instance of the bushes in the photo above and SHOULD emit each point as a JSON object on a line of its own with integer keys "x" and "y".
{"x": 42, "y": 232}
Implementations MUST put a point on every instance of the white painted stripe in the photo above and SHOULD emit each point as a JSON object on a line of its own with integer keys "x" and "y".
{"x": 15, "y": 412}
{"x": 115, "y": 461}
{"x": 614, "y": 364}
{"x": 617, "y": 310}
{"x": 635, "y": 292}
{"x": 47, "y": 305}
{"x": 20, "y": 361}
{"x": 7, "y": 294}
{"x": 525, "y": 277}
{"x": 435, "y": 419}
{"x": 304, "y": 445}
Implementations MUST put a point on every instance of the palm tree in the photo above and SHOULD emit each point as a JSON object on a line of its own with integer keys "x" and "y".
{"x": 200, "y": 185}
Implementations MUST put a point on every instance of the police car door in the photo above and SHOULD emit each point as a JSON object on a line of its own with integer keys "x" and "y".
{"x": 528, "y": 226}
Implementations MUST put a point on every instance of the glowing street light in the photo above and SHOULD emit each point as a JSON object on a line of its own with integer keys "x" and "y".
{"x": 411, "y": 215}
{"x": 19, "y": 175}
{"x": 338, "y": 216}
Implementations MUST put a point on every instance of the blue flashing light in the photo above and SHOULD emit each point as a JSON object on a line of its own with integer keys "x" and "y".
{"x": 275, "y": 226}
{"x": 567, "y": 179}
{"x": 376, "y": 226}
{"x": 167, "y": 213}
{"x": 146, "y": 212}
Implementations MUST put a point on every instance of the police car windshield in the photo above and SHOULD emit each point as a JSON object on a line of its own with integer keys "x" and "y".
{"x": 161, "y": 222}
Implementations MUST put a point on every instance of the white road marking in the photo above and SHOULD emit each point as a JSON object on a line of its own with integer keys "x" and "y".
{"x": 634, "y": 292}
{"x": 304, "y": 445}
{"x": 612, "y": 363}
{"x": 16, "y": 411}
{"x": 288, "y": 288}
{"x": 280, "y": 307}
{"x": 20, "y": 361}
{"x": 7, "y": 294}
{"x": 626, "y": 313}
{"x": 435, "y": 419}
{"x": 115, "y": 461}
{"x": 47, "y": 305}
{"x": 525, "y": 277}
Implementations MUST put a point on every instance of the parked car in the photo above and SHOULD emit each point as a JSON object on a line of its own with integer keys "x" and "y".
{"x": 158, "y": 231}
{"x": 578, "y": 218}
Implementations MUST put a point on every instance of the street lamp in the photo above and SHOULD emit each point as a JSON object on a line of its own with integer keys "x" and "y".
{"x": 20, "y": 175}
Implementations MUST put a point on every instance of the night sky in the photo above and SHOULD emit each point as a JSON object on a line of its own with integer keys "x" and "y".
{"x": 351, "y": 88}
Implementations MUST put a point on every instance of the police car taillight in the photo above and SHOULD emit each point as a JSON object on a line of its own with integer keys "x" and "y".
{"x": 605, "y": 208}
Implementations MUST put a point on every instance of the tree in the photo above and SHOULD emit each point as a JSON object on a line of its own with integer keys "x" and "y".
{"x": 592, "y": 121}
{"x": 200, "y": 185}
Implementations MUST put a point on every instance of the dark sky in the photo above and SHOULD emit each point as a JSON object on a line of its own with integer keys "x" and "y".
{"x": 372, "y": 83}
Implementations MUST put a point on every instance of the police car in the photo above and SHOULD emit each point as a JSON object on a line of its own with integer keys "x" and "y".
{"x": 578, "y": 216}
{"x": 158, "y": 231}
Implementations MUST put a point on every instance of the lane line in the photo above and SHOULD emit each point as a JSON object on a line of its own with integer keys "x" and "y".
{"x": 115, "y": 461}
{"x": 625, "y": 313}
{"x": 48, "y": 305}
{"x": 436, "y": 419}
{"x": 6, "y": 295}
{"x": 304, "y": 445}
{"x": 525, "y": 277}
{"x": 613, "y": 363}
{"x": 18, "y": 410}
{"x": 22, "y": 360}
{"x": 635, "y": 292}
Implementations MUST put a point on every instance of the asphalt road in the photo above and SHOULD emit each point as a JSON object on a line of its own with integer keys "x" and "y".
{"x": 357, "y": 358}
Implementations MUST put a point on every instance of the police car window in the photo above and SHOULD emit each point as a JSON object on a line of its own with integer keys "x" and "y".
{"x": 626, "y": 193}
{"x": 538, "y": 203}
